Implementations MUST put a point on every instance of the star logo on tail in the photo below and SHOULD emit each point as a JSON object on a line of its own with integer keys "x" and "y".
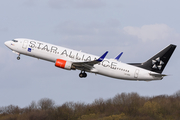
{"x": 157, "y": 63}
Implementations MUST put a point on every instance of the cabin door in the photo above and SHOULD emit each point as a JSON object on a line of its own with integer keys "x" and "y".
{"x": 136, "y": 73}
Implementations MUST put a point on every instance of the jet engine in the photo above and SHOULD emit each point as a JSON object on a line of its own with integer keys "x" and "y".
{"x": 64, "y": 64}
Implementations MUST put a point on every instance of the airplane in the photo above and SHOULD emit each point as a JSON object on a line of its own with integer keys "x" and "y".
{"x": 69, "y": 59}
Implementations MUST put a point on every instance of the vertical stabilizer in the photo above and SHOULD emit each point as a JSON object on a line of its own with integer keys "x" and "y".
{"x": 158, "y": 62}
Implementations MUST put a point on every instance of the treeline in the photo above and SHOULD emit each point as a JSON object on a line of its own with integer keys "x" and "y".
{"x": 124, "y": 106}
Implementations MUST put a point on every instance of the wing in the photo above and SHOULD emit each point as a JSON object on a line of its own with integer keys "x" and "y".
{"x": 87, "y": 66}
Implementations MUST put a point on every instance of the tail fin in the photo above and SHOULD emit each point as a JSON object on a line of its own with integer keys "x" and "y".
{"x": 158, "y": 62}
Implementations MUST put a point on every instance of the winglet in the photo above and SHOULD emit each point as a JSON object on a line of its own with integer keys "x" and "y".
{"x": 117, "y": 58}
{"x": 102, "y": 57}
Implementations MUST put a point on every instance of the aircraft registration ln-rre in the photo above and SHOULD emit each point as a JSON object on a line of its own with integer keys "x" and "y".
{"x": 69, "y": 59}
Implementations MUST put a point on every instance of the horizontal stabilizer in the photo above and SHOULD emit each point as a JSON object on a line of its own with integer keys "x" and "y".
{"x": 157, "y": 75}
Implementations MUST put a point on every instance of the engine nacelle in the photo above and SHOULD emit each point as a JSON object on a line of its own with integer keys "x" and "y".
{"x": 63, "y": 64}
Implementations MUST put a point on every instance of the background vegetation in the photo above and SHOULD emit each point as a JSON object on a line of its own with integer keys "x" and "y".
{"x": 124, "y": 106}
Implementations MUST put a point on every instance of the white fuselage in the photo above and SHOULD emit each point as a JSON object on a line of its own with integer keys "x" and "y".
{"x": 108, "y": 67}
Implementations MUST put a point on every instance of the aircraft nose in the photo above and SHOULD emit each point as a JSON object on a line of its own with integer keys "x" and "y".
{"x": 6, "y": 43}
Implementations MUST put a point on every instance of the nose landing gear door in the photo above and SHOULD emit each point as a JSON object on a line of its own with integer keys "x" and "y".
{"x": 136, "y": 73}
{"x": 25, "y": 43}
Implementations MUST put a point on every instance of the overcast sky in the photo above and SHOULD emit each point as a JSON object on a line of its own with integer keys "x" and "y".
{"x": 139, "y": 28}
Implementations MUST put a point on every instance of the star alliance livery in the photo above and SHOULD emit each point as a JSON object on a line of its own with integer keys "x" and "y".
{"x": 71, "y": 60}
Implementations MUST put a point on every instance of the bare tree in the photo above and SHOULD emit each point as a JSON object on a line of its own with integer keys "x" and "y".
{"x": 33, "y": 105}
{"x": 177, "y": 94}
{"x": 45, "y": 104}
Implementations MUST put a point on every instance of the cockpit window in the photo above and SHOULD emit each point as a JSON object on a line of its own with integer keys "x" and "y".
{"x": 14, "y": 40}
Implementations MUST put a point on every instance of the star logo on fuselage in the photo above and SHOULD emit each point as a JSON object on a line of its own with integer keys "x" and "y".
{"x": 157, "y": 63}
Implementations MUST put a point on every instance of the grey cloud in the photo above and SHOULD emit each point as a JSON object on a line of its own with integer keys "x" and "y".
{"x": 60, "y": 3}
{"x": 4, "y": 29}
{"x": 107, "y": 33}
{"x": 94, "y": 28}
{"x": 30, "y": 3}
{"x": 151, "y": 32}
{"x": 90, "y": 3}
{"x": 76, "y": 3}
